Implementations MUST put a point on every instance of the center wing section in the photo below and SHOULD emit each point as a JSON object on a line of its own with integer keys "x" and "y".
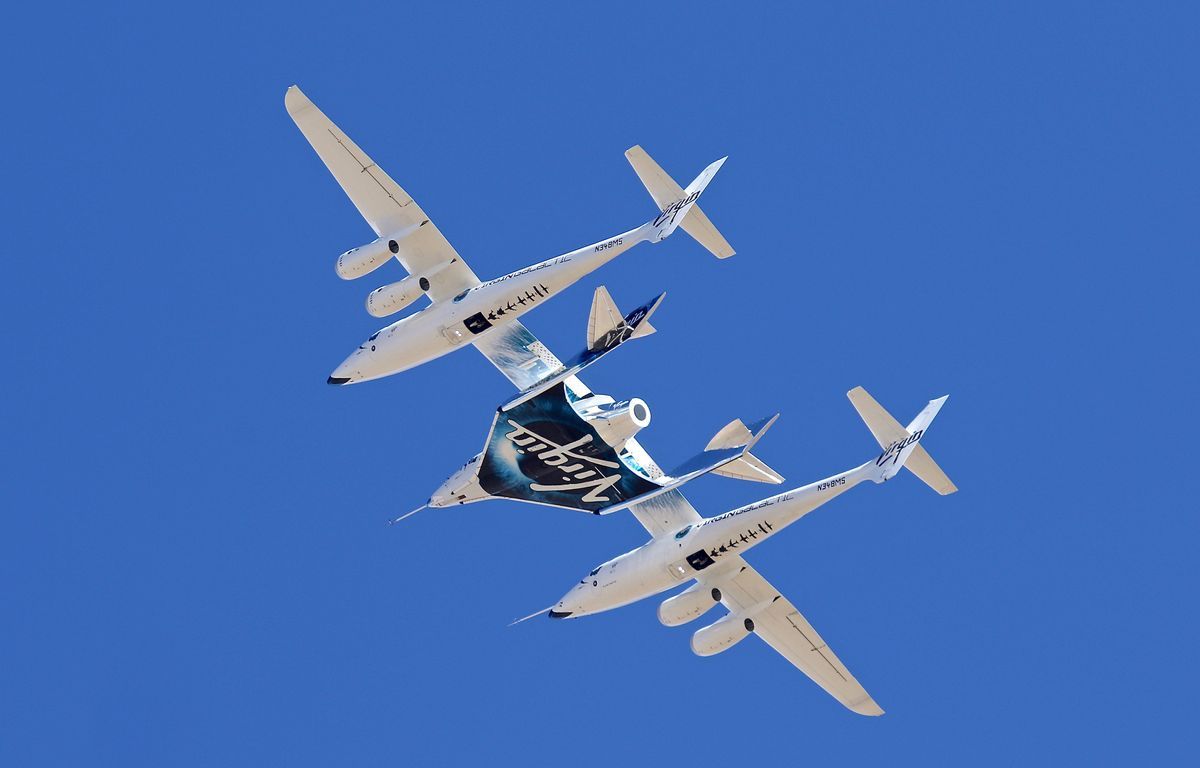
{"x": 665, "y": 513}
{"x": 523, "y": 360}
{"x": 783, "y": 628}
{"x": 382, "y": 202}
{"x": 533, "y": 368}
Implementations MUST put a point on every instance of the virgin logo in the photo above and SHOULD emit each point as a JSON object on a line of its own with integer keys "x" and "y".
{"x": 578, "y": 472}
{"x": 892, "y": 452}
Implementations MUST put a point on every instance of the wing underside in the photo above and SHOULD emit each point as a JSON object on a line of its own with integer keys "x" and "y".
{"x": 783, "y": 628}
{"x": 382, "y": 202}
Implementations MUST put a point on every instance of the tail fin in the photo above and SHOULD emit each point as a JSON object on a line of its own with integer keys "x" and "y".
{"x": 607, "y": 326}
{"x": 677, "y": 206}
{"x": 901, "y": 447}
{"x": 747, "y": 466}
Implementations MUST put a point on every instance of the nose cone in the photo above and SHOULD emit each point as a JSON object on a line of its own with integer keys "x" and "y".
{"x": 571, "y": 604}
{"x": 349, "y": 372}
{"x": 462, "y": 487}
{"x": 441, "y": 498}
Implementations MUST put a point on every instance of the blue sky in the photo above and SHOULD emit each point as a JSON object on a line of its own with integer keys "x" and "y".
{"x": 995, "y": 203}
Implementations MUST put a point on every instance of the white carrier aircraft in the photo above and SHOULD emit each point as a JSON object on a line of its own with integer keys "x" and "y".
{"x": 709, "y": 551}
{"x": 465, "y": 311}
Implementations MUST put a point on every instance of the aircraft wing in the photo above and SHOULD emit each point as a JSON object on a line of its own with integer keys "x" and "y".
{"x": 783, "y": 628}
{"x": 382, "y": 202}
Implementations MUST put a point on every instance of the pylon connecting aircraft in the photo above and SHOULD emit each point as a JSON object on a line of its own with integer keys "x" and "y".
{"x": 465, "y": 311}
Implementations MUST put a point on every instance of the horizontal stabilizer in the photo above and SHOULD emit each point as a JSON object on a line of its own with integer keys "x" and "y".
{"x": 666, "y": 193}
{"x": 923, "y": 466}
{"x": 885, "y": 429}
{"x": 749, "y": 467}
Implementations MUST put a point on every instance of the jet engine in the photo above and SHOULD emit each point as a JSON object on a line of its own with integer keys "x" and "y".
{"x": 722, "y": 635}
{"x": 394, "y": 297}
{"x": 689, "y": 604}
{"x": 365, "y": 259}
{"x": 617, "y": 422}
{"x": 727, "y": 631}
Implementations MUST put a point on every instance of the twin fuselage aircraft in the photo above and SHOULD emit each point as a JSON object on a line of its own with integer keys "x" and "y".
{"x": 557, "y": 443}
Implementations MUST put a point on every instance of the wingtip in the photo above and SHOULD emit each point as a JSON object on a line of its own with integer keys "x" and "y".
{"x": 762, "y": 425}
{"x": 295, "y": 101}
{"x": 868, "y": 708}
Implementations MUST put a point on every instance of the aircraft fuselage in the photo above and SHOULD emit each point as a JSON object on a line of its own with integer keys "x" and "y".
{"x": 447, "y": 325}
{"x": 706, "y": 550}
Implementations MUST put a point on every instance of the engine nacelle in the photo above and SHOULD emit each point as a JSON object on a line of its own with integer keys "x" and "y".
{"x": 365, "y": 259}
{"x": 728, "y": 631}
{"x": 394, "y": 297}
{"x": 692, "y": 603}
{"x": 722, "y": 635}
{"x": 616, "y": 422}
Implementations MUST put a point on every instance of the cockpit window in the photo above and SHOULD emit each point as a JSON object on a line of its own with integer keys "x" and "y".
{"x": 461, "y": 296}
{"x": 684, "y": 532}
{"x": 374, "y": 336}
{"x": 595, "y": 570}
